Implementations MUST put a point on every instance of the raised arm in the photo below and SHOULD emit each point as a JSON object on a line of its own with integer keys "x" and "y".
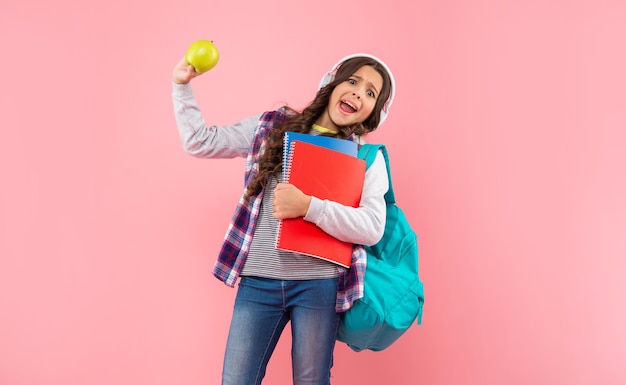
{"x": 198, "y": 138}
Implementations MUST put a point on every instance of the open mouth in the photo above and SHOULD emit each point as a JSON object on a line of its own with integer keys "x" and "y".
{"x": 347, "y": 107}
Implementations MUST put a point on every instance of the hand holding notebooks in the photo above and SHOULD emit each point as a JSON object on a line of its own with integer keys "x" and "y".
{"x": 325, "y": 174}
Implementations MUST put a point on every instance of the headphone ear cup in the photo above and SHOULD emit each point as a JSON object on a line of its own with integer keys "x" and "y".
{"x": 327, "y": 79}
{"x": 383, "y": 111}
{"x": 383, "y": 117}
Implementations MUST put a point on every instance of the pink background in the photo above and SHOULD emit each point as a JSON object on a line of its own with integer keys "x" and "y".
{"x": 508, "y": 144}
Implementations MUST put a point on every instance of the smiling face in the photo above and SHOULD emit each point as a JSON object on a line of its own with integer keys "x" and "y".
{"x": 352, "y": 101}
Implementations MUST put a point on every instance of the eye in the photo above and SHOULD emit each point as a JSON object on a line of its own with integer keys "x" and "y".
{"x": 352, "y": 81}
{"x": 371, "y": 94}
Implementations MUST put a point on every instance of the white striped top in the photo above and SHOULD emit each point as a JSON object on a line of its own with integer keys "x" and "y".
{"x": 265, "y": 260}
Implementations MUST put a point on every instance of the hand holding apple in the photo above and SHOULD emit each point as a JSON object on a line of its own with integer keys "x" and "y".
{"x": 183, "y": 72}
{"x": 202, "y": 55}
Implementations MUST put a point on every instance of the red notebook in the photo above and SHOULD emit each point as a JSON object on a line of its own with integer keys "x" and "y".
{"x": 325, "y": 174}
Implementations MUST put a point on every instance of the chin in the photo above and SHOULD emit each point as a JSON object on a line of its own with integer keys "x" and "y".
{"x": 343, "y": 121}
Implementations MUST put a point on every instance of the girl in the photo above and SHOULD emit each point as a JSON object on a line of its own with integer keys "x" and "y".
{"x": 279, "y": 286}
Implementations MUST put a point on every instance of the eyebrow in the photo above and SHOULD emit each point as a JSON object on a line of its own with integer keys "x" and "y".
{"x": 370, "y": 83}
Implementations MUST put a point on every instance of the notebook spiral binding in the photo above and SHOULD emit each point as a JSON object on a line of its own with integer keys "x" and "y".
{"x": 287, "y": 164}
{"x": 287, "y": 157}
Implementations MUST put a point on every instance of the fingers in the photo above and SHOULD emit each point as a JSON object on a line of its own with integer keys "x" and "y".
{"x": 289, "y": 201}
{"x": 279, "y": 201}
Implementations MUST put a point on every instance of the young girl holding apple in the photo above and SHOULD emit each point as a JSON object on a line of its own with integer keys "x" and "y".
{"x": 277, "y": 286}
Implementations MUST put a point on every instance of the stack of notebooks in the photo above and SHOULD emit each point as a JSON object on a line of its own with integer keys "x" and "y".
{"x": 327, "y": 168}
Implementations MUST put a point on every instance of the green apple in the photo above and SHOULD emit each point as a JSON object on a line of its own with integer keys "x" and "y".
{"x": 202, "y": 55}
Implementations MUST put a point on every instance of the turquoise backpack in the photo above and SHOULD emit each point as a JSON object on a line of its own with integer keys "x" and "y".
{"x": 393, "y": 293}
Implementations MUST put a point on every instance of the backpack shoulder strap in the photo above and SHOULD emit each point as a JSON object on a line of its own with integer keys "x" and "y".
{"x": 368, "y": 153}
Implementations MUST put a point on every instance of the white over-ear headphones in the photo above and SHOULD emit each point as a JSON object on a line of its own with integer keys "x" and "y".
{"x": 330, "y": 76}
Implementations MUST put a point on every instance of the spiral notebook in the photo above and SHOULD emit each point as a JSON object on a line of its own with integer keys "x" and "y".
{"x": 342, "y": 145}
{"x": 325, "y": 174}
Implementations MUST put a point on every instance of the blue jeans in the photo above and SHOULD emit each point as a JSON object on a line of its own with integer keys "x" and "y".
{"x": 262, "y": 309}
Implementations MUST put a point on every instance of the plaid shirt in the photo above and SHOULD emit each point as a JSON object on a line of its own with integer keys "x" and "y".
{"x": 240, "y": 231}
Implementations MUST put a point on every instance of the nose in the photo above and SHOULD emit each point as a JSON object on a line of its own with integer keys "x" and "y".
{"x": 358, "y": 96}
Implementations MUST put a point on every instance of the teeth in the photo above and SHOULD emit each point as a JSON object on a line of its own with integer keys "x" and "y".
{"x": 350, "y": 104}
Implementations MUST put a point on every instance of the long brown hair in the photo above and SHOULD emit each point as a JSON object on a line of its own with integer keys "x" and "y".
{"x": 270, "y": 162}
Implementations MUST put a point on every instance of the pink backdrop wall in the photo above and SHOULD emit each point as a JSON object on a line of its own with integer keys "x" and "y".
{"x": 507, "y": 138}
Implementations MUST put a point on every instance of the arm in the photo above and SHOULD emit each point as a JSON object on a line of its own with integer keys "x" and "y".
{"x": 363, "y": 225}
{"x": 199, "y": 139}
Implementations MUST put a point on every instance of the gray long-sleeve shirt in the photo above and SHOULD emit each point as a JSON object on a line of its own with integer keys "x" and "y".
{"x": 362, "y": 225}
